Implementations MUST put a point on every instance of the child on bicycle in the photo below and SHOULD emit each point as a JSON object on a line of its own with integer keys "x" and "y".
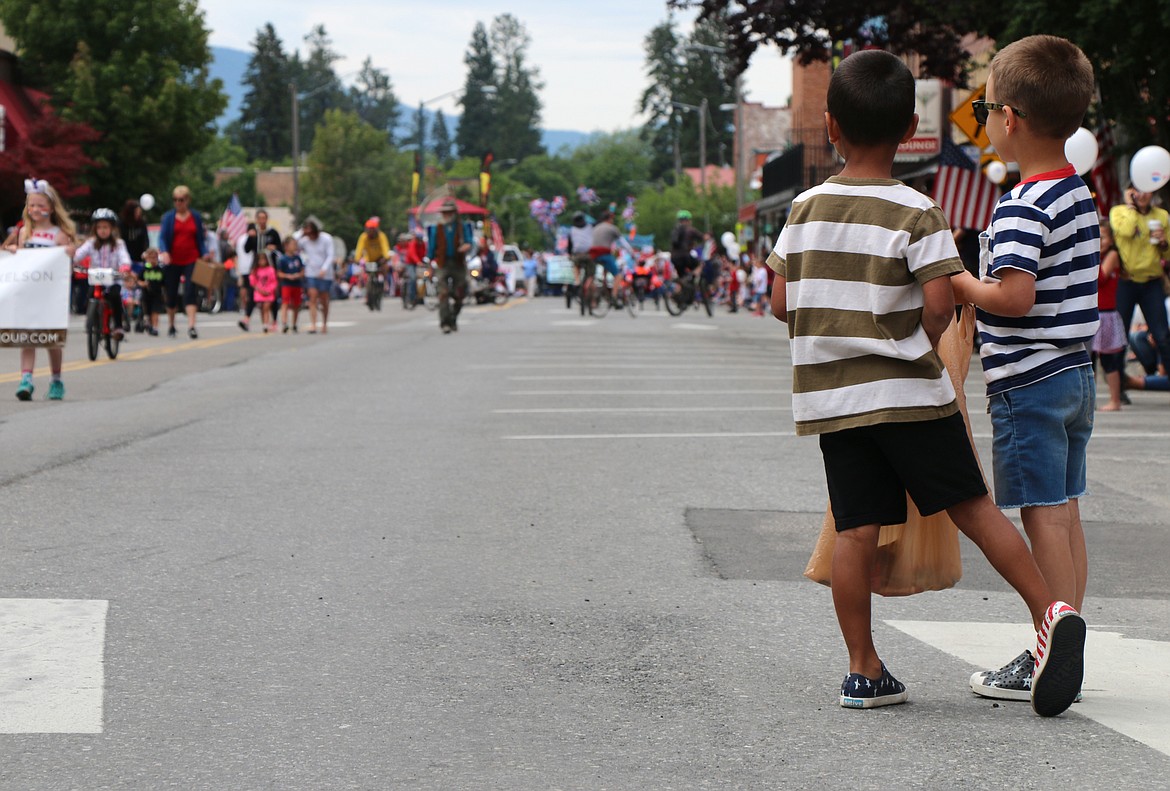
{"x": 45, "y": 223}
{"x": 106, "y": 251}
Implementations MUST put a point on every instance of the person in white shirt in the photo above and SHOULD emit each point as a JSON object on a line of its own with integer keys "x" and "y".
{"x": 317, "y": 253}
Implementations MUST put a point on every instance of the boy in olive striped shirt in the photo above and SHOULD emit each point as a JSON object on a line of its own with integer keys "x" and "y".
{"x": 863, "y": 268}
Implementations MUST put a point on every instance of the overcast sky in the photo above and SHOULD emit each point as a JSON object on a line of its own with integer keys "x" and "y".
{"x": 589, "y": 53}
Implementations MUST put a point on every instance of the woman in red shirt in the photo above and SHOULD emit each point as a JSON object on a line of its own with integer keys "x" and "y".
{"x": 182, "y": 240}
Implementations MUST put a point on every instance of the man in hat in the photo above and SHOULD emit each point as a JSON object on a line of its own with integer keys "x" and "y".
{"x": 448, "y": 244}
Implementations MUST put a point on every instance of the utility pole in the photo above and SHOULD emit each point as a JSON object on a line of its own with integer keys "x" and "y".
{"x": 703, "y": 145}
{"x": 296, "y": 151}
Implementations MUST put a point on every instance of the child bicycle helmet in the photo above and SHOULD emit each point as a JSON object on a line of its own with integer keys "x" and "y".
{"x": 104, "y": 214}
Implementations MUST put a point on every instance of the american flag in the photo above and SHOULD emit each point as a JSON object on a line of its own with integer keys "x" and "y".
{"x": 965, "y": 195}
{"x": 234, "y": 219}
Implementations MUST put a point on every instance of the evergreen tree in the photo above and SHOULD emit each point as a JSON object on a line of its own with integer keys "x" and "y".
{"x": 441, "y": 139}
{"x": 517, "y": 107}
{"x": 663, "y": 49}
{"x": 319, "y": 86}
{"x": 264, "y": 126}
{"x": 476, "y": 131}
{"x": 684, "y": 71}
{"x": 373, "y": 99}
{"x": 134, "y": 70}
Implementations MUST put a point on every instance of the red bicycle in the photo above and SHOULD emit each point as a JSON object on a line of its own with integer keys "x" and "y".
{"x": 99, "y": 316}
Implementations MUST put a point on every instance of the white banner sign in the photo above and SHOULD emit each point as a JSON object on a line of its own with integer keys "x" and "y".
{"x": 34, "y": 297}
{"x": 559, "y": 269}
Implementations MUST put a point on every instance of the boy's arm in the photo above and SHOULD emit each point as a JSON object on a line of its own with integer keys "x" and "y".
{"x": 1012, "y": 296}
{"x": 780, "y": 298}
{"x": 938, "y": 308}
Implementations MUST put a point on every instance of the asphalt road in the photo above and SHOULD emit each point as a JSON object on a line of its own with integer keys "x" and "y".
{"x": 545, "y": 552}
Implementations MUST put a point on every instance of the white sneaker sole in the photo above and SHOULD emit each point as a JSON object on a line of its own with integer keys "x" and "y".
{"x": 873, "y": 703}
{"x": 996, "y": 693}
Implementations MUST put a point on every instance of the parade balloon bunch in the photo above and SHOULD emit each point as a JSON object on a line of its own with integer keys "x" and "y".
{"x": 587, "y": 196}
{"x": 546, "y": 212}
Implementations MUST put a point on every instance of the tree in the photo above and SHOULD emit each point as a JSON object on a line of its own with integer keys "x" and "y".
{"x": 318, "y": 84}
{"x": 1125, "y": 42}
{"x": 614, "y": 165}
{"x": 809, "y": 28}
{"x": 477, "y": 126}
{"x": 139, "y": 77}
{"x": 516, "y": 123}
{"x": 353, "y": 173}
{"x": 199, "y": 172}
{"x": 373, "y": 99}
{"x": 683, "y": 71}
{"x": 662, "y": 46}
{"x": 264, "y": 127}
{"x": 441, "y": 139}
{"x": 53, "y": 150}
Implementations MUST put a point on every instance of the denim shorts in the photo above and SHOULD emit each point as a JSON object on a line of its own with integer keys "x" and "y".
{"x": 322, "y": 284}
{"x": 1039, "y": 436}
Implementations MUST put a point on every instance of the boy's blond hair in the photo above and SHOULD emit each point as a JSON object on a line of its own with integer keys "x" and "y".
{"x": 1049, "y": 78}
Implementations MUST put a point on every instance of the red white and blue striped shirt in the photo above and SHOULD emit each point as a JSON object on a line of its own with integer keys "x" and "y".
{"x": 1046, "y": 226}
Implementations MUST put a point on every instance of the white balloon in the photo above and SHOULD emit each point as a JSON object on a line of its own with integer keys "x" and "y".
{"x": 1150, "y": 168}
{"x": 146, "y": 201}
{"x": 1081, "y": 150}
{"x": 728, "y": 239}
{"x": 995, "y": 171}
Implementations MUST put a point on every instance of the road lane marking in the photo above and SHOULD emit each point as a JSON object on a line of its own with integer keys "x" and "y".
{"x": 52, "y": 665}
{"x": 610, "y": 377}
{"x": 1126, "y": 684}
{"x": 697, "y": 435}
{"x": 142, "y": 354}
{"x": 649, "y": 409}
{"x": 639, "y": 392}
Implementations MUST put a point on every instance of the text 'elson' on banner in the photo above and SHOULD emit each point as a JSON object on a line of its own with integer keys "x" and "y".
{"x": 34, "y": 297}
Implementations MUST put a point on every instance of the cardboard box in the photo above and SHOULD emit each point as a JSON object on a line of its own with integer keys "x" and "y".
{"x": 208, "y": 275}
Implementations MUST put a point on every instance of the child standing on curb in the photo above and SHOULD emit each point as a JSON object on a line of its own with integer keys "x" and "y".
{"x": 1037, "y": 314}
{"x": 45, "y": 224}
{"x": 863, "y": 268}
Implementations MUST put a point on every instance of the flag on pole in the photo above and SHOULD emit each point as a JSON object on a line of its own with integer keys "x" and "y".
{"x": 485, "y": 178}
{"x": 415, "y": 178}
{"x": 497, "y": 236}
{"x": 965, "y": 195}
{"x": 234, "y": 221}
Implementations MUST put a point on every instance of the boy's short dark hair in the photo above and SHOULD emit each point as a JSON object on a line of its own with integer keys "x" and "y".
{"x": 1049, "y": 78}
{"x": 871, "y": 95}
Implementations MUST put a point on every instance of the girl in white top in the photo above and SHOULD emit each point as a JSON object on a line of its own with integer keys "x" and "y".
{"x": 45, "y": 224}
{"x": 106, "y": 251}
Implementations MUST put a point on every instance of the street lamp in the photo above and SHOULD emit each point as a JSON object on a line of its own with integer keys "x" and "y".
{"x": 738, "y": 148}
{"x": 296, "y": 135}
{"x": 488, "y": 90}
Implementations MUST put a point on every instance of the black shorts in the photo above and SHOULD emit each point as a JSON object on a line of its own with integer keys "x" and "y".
{"x": 871, "y": 469}
{"x": 179, "y": 292}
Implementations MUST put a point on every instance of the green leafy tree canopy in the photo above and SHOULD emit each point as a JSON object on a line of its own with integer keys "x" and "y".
{"x": 133, "y": 70}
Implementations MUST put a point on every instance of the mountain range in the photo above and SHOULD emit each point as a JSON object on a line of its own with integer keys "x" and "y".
{"x": 229, "y": 65}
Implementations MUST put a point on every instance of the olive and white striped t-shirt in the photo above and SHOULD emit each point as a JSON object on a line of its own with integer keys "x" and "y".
{"x": 855, "y": 253}
{"x": 1046, "y": 226}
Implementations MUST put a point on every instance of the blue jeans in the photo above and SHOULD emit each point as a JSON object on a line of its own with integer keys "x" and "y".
{"x": 1039, "y": 436}
{"x": 410, "y": 273}
{"x": 1152, "y": 300}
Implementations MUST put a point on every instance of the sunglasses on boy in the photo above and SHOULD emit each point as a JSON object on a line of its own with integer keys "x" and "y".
{"x": 982, "y": 108}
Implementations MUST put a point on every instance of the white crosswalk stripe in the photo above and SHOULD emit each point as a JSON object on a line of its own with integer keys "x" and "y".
{"x": 51, "y": 665}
